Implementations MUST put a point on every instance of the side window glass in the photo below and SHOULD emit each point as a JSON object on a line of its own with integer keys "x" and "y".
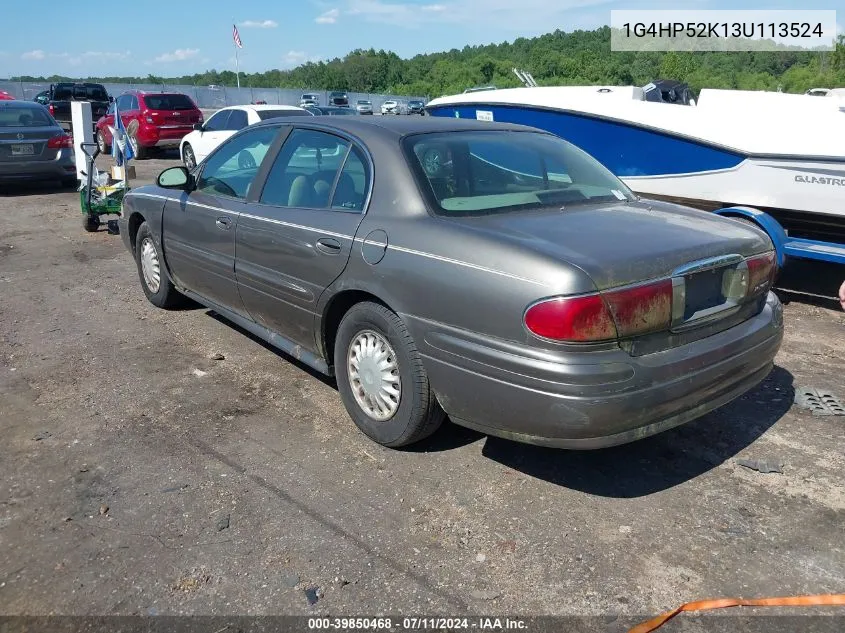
{"x": 232, "y": 167}
{"x": 134, "y": 105}
{"x": 305, "y": 170}
{"x": 121, "y": 103}
{"x": 353, "y": 183}
{"x": 237, "y": 120}
{"x": 218, "y": 121}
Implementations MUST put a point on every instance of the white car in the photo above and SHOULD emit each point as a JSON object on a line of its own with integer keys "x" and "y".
{"x": 198, "y": 144}
{"x": 391, "y": 106}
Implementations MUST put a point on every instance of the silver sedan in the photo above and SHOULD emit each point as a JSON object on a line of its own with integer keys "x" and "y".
{"x": 33, "y": 146}
{"x": 490, "y": 272}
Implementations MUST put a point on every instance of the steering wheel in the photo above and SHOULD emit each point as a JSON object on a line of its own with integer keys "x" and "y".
{"x": 433, "y": 162}
{"x": 246, "y": 160}
{"x": 215, "y": 184}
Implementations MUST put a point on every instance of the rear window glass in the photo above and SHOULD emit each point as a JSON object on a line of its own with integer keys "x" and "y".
{"x": 272, "y": 114}
{"x": 168, "y": 102}
{"x": 90, "y": 92}
{"x": 24, "y": 117}
{"x": 489, "y": 172}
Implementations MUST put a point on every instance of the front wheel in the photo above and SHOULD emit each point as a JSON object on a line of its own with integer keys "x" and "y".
{"x": 188, "y": 156}
{"x": 154, "y": 279}
{"x": 90, "y": 222}
{"x": 381, "y": 378}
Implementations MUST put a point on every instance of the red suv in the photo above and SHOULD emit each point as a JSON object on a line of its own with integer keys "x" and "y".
{"x": 163, "y": 118}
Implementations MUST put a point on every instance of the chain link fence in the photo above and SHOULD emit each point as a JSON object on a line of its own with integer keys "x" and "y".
{"x": 213, "y": 97}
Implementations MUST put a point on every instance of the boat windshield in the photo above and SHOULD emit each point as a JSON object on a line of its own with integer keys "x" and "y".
{"x": 464, "y": 173}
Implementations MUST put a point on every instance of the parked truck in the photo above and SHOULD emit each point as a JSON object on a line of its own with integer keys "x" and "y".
{"x": 60, "y": 95}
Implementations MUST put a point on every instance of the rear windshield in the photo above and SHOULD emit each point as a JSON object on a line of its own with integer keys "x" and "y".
{"x": 488, "y": 172}
{"x": 25, "y": 117}
{"x": 362, "y": 102}
{"x": 168, "y": 102}
{"x": 85, "y": 92}
{"x": 272, "y": 114}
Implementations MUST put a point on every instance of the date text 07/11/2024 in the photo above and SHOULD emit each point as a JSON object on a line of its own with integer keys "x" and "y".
{"x": 416, "y": 624}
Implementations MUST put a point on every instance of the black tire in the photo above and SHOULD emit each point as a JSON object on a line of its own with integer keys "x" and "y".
{"x": 165, "y": 295}
{"x": 189, "y": 159}
{"x": 418, "y": 414}
{"x": 143, "y": 153}
{"x": 67, "y": 183}
{"x": 101, "y": 143}
{"x": 90, "y": 223}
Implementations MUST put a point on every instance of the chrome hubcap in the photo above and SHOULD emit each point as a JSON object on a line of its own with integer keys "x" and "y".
{"x": 149, "y": 265}
{"x": 189, "y": 158}
{"x": 374, "y": 375}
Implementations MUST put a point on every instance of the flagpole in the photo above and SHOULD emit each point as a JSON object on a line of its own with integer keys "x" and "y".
{"x": 237, "y": 61}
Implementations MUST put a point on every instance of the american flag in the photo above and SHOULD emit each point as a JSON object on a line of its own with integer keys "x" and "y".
{"x": 237, "y": 37}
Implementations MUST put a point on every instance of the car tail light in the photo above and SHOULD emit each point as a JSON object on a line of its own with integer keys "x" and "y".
{"x": 578, "y": 319}
{"x": 603, "y": 316}
{"x": 51, "y": 109}
{"x": 761, "y": 273}
{"x": 61, "y": 141}
{"x": 641, "y": 309}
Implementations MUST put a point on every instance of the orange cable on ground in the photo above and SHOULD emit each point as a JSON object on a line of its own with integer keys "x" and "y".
{"x": 834, "y": 599}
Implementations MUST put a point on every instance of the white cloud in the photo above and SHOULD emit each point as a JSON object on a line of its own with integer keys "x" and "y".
{"x": 433, "y": 7}
{"x": 296, "y": 58}
{"x": 179, "y": 55}
{"x": 259, "y": 24}
{"x": 329, "y": 17}
{"x": 37, "y": 54}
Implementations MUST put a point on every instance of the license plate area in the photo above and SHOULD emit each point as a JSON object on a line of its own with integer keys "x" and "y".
{"x": 708, "y": 290}
{"x": 23, "y": 149}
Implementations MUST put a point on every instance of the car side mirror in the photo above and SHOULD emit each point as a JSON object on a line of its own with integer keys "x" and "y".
{"x": 198, "y": 127}
{"x": 176, "y": 178}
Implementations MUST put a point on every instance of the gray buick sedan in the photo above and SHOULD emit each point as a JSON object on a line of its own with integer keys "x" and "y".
{"x": 490, "y": 272}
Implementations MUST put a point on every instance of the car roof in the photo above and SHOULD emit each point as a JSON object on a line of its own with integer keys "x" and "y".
{"x": 397, "y": 127}
{"x": 19, "y": 104}
{"x": 260, "y": 107}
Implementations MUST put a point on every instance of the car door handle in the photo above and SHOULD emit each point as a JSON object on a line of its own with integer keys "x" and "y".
{"x": 328, "y": 246}
{"x": 224, "y": 223}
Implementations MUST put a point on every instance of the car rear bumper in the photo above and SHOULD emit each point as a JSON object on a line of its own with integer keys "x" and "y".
{"x": 588, "y": 401}
{"x": 163, "y": 136}
{"x": 59, "y": 168}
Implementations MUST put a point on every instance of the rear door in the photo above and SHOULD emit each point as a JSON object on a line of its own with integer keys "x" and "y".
{"x": 199, "y": 226}
{"x": 296, "y": 237}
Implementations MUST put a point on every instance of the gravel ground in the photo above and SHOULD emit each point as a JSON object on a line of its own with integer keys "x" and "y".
{"x": 142, "y": 476}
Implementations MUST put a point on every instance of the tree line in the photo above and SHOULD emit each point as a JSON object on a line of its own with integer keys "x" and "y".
{"x": 558, "y": 58}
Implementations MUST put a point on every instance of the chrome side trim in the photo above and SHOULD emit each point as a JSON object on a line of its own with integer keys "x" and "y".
{"x": 449, "y": 260}
{"x": 296, "y": 226}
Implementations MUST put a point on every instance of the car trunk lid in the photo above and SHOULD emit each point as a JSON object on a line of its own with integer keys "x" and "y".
{"x": 628, "y": 244}
{"x": 168, "y": 110}
{"x": 27, "y": 143}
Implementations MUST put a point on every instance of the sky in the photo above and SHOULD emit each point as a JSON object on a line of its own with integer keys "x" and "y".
{"x": 172, "y": 38}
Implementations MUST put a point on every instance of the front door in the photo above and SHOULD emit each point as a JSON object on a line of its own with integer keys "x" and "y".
{"x": 199, "y": 226}
{"x": 214, "y": 132}
{"x": 296, "y": 240}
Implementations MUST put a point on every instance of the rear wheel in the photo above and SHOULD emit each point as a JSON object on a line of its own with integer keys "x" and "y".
{"x": 154, "y": 279}
{"x": 143, "y": 152}
{"x": 381, "y": 378}
{"x": 104, "y": 147}
{"x": 70, "y": 182}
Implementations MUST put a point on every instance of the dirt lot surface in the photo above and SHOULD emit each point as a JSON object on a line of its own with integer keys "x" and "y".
{"x": 140, "y": 476}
